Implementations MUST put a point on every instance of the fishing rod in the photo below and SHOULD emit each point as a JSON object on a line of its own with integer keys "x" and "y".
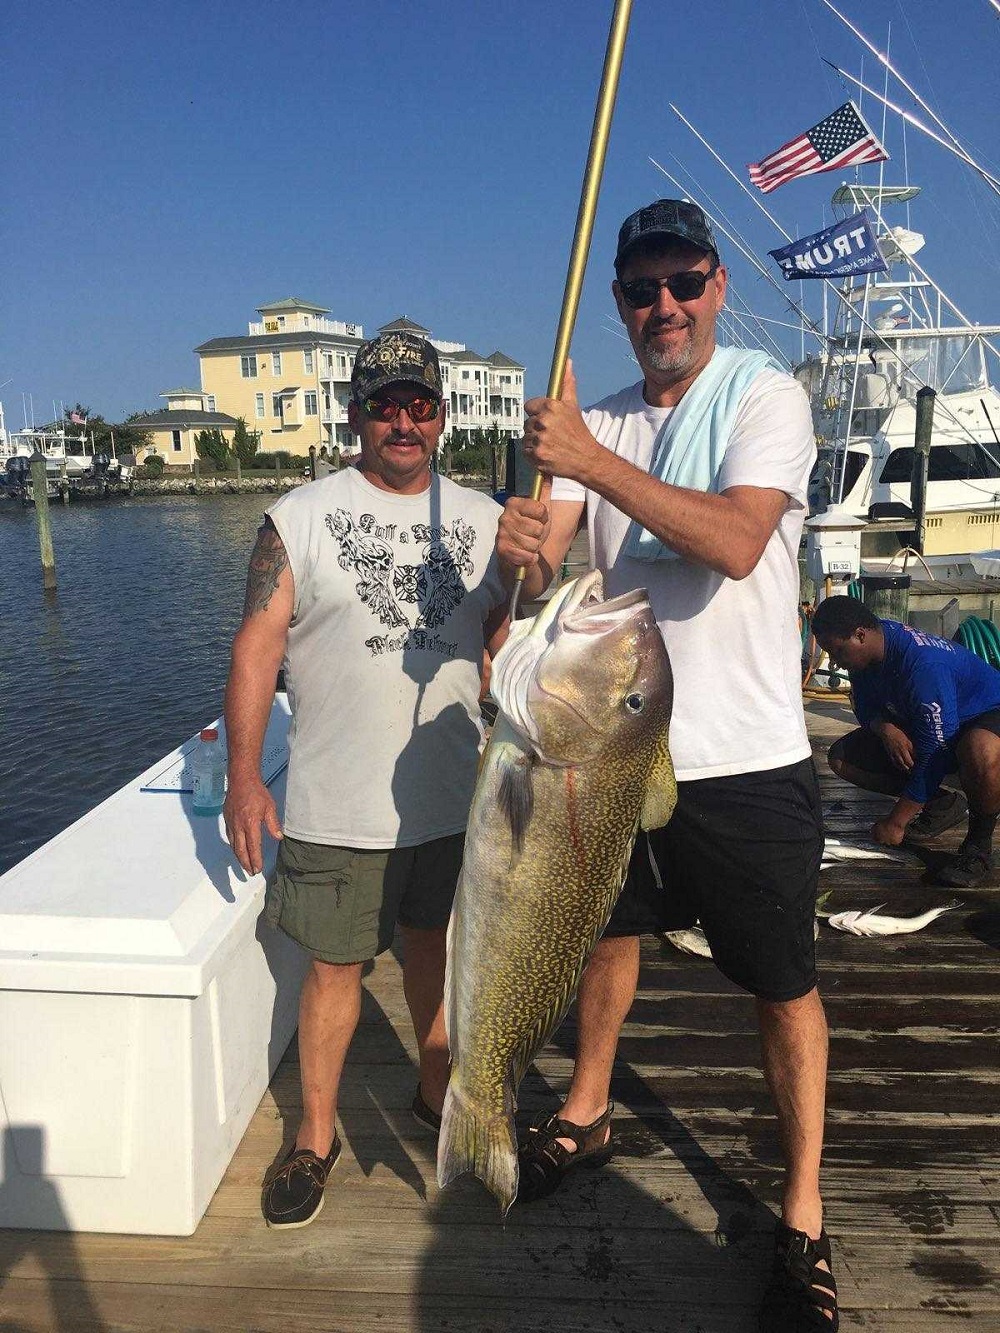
{"x": 959, "y": 151}
{"x": 586, "y": 212}
{"x": 891, "y": 69}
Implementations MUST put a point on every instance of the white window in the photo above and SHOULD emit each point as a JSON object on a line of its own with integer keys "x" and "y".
{"x": 305, "y": 321}
{"x": 277, "y": 406}
{"x": 175, "y": 435}
{"x": 310, "y": 404}
{"x": 275, "y": 363}
{"x": 210, "y": 401}
{"x": 248, "y": 366}
{"x": 328, "y": 361}
{"x": 307, "y": 362}
{"x": 465, "y": 374}
{"x": 326, "y": 400}
{"x": 260, "y": 404}
{"x": 342, "y": 365}
{"x": 477, "y": 376}
{"x": 281, "y": 321}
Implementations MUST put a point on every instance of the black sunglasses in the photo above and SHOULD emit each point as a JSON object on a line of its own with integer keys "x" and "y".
{"x": 639, "y": 293}
{"x": 384, "y": 407}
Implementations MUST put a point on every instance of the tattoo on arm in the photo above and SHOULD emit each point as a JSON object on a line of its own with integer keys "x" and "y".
{"x": 269, "y": 558}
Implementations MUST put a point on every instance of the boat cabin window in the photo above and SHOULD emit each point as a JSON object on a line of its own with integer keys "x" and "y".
{"x": 821, "y": 480}
{"x": 948, "y": 362}
{"x": 948, "y": 462}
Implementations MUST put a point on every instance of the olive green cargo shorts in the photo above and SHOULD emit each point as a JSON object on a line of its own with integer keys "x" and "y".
{"x": 342, "y": 903}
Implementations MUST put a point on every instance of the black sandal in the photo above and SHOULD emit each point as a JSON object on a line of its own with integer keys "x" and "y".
{"x": 800, "y": 1295}
{"x": 543, "y": 1161}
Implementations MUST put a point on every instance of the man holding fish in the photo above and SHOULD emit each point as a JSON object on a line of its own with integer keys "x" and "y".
{"x": 692, "y": 484}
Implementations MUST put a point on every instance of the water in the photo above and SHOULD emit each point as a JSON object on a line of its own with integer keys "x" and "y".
{"x": 125, "y": 661}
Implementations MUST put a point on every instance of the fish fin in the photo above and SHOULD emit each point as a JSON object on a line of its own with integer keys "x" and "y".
{"x": 661, "y": 790}
{"x": 516, "y": 795}
{"x": 484, "y": 1145}
{"x": 451, "y": 981}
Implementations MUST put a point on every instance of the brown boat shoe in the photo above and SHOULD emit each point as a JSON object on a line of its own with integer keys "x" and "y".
{"x": 293, "y": 1193}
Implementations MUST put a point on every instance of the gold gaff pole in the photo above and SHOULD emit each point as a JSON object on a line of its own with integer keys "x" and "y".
{"x": 584, "y": 223}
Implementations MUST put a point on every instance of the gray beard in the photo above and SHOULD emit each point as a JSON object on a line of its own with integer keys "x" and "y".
{"x": 666, "y": 361}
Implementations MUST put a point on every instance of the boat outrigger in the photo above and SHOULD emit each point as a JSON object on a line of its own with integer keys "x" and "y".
{"x": 892, "y": 336}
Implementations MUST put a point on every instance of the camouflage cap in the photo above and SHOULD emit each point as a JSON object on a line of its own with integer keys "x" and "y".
{"x": 395, "y": 358}
{"x": 665, "y": 217}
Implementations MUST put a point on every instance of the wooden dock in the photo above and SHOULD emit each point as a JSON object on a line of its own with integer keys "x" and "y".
{"x": 675, "y": 1234}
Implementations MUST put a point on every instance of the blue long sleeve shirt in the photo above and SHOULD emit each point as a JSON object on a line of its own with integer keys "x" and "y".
{"x": 930, "y": 688}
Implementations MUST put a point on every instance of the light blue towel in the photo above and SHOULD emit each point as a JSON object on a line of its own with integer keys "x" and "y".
{"x": 693, "y": 440}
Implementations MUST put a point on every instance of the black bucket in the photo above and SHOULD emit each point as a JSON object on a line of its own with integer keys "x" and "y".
{"x": 886, "y": 595}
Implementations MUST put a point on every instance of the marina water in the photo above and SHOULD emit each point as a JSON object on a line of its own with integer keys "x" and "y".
{"x": 125, "y": 661}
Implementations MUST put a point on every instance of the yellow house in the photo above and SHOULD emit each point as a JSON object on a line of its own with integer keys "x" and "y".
{"x": 289, "y": 377}
{"x": 173, "y": 430}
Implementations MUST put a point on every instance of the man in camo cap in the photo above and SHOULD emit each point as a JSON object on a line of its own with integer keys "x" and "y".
{"x": 376, "y": 588}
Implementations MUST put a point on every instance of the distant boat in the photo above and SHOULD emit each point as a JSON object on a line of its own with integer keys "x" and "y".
{"x": 69, "y": 467}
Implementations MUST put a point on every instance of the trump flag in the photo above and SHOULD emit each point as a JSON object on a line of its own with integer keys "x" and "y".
{"x": 835, "y": 252}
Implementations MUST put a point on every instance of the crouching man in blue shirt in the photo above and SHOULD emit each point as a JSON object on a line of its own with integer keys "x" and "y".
{"x": 927, "y": 708}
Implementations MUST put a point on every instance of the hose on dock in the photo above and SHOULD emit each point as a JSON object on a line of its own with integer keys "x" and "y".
{"x": 981, "y": 637}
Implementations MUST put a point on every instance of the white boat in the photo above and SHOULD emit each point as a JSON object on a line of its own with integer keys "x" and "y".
{"x": 894, "y": 334}
{"x": 143, "y": 1008}
{"x": 70, "y": 464}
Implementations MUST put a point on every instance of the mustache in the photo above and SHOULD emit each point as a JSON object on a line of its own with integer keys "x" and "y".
{"x": 654, "y": 324}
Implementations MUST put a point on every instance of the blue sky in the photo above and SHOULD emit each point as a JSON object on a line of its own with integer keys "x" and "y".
{"x": 171, "y": 166}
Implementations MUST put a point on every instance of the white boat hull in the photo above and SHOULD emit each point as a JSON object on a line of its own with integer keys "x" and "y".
{"x": 143, "y": 1010}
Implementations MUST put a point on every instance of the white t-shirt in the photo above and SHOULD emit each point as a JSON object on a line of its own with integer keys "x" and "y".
{"x": 384, "y": 655}
{"x": 734, "y": 644}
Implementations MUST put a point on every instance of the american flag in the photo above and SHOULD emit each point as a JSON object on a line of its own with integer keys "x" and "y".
{"x": 77, "y": 419}
{"x": 841, "y": 140}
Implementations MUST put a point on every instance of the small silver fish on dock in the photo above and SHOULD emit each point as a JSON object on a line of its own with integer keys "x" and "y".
{"x": 578, "y": 759}
{"x": 872, "y": 923}
{"x": 837, "y": 851}
{"x": 689, "y": 941}
{"x": 693, "y": 940}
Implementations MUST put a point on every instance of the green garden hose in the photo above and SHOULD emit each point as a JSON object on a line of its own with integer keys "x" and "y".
{"x": 982, "y": 638}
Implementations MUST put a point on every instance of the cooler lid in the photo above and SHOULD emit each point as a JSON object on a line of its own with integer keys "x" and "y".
{"x": 140, "y": 896}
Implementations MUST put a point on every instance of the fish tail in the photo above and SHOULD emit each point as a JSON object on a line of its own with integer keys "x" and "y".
{"x": 481, "y": 1143}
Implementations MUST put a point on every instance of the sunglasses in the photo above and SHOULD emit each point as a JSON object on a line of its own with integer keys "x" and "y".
{"x": 689, "y": 286}
{"x": 386, "y": 408}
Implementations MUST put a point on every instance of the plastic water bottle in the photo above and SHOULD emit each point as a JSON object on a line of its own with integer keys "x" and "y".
{"x": 209, "y": 768}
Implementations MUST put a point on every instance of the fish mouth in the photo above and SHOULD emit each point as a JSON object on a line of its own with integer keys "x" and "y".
{"x": 579, "y": 608}
{"x": 592, "y": 615}
{"x": 588, "y": 613}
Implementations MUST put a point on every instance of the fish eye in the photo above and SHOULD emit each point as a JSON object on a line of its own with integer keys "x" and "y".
{"x": 635, "y": 703}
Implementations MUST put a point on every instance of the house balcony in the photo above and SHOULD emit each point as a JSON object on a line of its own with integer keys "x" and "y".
{"x": 317, "y": 324}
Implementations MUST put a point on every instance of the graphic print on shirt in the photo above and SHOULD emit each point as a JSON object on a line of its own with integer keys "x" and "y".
{"x": 434, "y": 588}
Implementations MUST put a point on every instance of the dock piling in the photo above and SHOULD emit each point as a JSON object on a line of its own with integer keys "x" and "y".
{"x": 921, "y": 459}
{"x": 40, "y": 493}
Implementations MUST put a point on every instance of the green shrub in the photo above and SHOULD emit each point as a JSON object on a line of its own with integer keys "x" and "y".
{"x": 287, "y": 461}
{"x": 152, "y": 466}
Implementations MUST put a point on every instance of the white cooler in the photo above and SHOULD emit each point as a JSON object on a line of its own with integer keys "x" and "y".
{"x": 143, "y": 1009}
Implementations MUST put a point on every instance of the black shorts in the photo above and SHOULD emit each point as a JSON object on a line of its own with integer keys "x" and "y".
{"x": 864, "y": 750}
{"x": 741, "y": 855}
